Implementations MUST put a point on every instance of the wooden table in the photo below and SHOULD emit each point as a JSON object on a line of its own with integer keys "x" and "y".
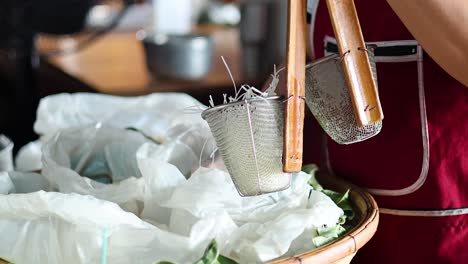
{"x": 116, "y": 64}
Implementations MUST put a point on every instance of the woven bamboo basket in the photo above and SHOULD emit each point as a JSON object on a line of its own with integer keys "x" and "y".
{"x": 340, "y": 251}
{"x": 365, "y": 223}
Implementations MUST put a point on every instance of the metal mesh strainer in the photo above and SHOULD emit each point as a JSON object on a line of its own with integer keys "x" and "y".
{"x": 249, "y": 135}
{"x": 328, "y": 99}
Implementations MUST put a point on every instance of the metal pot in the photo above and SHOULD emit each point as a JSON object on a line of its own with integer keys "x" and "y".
{"x": 181, "y": 57}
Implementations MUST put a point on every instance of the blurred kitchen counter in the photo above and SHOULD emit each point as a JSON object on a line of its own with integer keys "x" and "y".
{"x": 115, "y": 64}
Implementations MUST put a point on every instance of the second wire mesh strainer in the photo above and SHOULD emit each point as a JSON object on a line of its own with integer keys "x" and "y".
{"x": 327, "y": 97}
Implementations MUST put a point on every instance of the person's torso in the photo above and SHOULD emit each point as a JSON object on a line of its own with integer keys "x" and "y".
{"x": 394, "y": 158}
{"x": 417, "y": 166}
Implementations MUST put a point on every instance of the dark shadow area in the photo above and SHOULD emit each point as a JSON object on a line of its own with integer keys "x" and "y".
{"x": 20, "y": 67}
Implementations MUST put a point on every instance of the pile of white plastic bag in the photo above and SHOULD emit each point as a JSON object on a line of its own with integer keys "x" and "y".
{"x": 155, "y": 192}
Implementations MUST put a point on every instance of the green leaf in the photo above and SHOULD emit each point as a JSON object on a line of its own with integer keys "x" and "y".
{"x": 342, "y": 200}
{"x": 320, "y": 240}
{"x": 212, "y": 256}
{"x": 312, "y": 169}
{"x": 314, "y": 183}
{"x": 327, "y": 234}
{"x": 224, "y": 260}
{"x": 342, "y": 219}
{"x": 333, "y": 231}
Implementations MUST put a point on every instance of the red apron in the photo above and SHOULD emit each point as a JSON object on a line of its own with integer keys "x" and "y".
{"x": 417, "y": 167}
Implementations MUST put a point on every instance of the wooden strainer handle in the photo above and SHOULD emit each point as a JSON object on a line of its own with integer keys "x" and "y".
{"x": 356, "y": 66}
{"x": 295, "y": 82}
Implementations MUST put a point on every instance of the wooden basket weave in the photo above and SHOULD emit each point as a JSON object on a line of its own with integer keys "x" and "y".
{"x": 365, "y": 224}
{"x": 342, "y": 250}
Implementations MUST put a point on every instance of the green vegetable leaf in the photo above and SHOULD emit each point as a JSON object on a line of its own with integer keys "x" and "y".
{"x": 225, "y": 260}
{"x": 312, "y": 169}
{"x": 212, "y": 256}
{"x": 327, "y": 234}
{"x": 342, "y": 200}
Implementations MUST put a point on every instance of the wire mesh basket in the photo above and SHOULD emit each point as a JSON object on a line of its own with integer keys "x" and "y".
{"x": 249, "y": 135}
{"x": 328, "y": 99}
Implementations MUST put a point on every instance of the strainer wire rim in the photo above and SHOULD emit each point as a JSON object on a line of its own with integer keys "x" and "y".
{"x": 326, "y": 58}
{"x": 321, "y": 60}
{"x": 255, "y": 99}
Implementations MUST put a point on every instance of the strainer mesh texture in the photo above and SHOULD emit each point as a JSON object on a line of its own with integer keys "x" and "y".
{"x": 249, "y": 135}
{"x": 329, "y": 101}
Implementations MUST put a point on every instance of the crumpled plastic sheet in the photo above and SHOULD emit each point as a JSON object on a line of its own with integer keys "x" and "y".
{"x": 19, "y": 182}
{"x": 84, "y": 160}
{"x": 162, "y": 205}
{"x": 29, "y": 157}
{"x": 155, "y": 115}
{"x": 180, "y": 217}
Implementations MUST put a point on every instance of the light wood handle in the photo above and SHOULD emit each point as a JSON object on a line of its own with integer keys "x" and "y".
{"x": 356, "y": 66}
{"x": 295, "y": 83}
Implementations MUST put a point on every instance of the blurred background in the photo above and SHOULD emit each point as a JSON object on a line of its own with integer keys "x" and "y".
{"x": 130, "y": 48}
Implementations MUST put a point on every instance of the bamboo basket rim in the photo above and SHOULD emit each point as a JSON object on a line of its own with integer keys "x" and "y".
{"x": 343, "y": 249}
